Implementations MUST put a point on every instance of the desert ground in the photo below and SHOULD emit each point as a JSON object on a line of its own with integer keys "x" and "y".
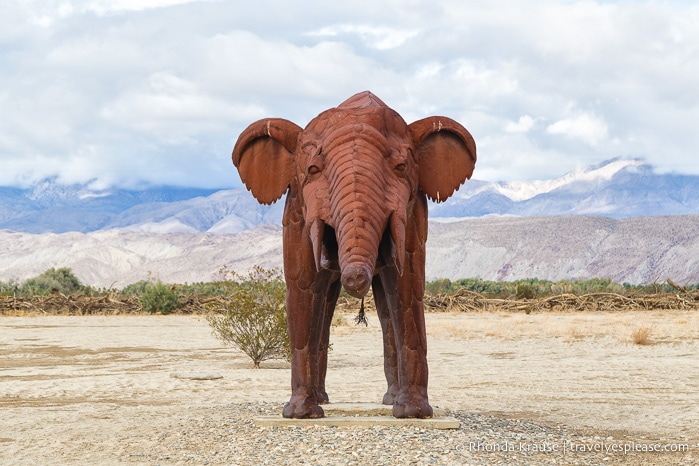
{"x": 163, "y": 390}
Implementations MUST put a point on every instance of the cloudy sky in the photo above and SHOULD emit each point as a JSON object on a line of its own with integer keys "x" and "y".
{"x": 127, "y": 92}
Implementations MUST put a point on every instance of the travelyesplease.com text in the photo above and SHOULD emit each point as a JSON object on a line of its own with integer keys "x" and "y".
{"x": 577, "y": 447}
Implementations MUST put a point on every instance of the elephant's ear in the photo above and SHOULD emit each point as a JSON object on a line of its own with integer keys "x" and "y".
{"x": 264, "y": 157}
{"x": 446, "y": 155}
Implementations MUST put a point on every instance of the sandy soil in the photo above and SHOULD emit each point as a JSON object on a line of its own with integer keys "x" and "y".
{"x": 87, "y": 389}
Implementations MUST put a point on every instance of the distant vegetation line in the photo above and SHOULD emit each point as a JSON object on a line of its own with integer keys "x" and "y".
{"x": 63, "y": 281}
{"x": 59, "y": 292}
{"x": 534, "y": 287}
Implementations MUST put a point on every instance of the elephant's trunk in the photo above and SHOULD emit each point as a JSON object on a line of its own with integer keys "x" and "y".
{"x": 359, "y": 224}
{"x": 357, "y": 197}
{"x": 356, "y": 279}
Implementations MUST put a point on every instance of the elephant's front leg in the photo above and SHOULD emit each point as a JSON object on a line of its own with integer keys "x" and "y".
{"x": 390, "y": 361}
{"x": 330, "y": 302}
{"x": 408, "y": 321}
{"x": 305, "y": 317}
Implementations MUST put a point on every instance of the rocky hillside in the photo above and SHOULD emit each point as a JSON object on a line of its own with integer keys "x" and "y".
{"x": 635, "y": 250}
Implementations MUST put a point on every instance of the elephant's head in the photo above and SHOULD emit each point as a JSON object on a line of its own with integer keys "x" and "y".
{"x": 356, "y": 172}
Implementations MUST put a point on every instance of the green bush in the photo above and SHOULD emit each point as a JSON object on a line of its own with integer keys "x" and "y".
{"x": 531, "y": 287}
{"x": 9, "y": 288}
{"x": 137, "y": 288}
{"x": 252, "y": 316}
{"x": 53, "y": 280}
{"x": 523, "y": 291}
{"x": 159, "y": 298}
{"x": 439, "y": 286}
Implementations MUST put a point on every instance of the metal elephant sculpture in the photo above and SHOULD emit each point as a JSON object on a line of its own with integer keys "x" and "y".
{"x": 357, "y": 180}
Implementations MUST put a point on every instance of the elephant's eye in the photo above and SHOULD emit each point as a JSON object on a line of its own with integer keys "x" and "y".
{"x": 313, "y": 169}
{"x": 400, "y": 168}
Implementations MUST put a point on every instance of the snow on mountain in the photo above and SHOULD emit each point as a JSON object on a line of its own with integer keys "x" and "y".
{"x": 227, "y": 211}
{"x": 619, "y": 188}
{"x": 48, "y": 191}
{"x": 518, "y": 191}
{"x": 523, "y": 190}
{"x": 170, "y": 225}
{"x": 51, "y": 207}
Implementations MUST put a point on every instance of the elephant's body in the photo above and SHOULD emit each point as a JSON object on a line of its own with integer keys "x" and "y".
{"x": 358, "y": 178}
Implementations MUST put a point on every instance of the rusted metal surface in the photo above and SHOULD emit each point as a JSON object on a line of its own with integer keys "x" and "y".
{"x": 357, "y": 179}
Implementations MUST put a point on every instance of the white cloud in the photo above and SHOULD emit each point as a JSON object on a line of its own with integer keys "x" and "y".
{"x": 523, "y": 125}
{"x": 111, "y": 6}
{"x": 46, "y": 13}
{"x": 589, "y": 128}
{"x": 378, "y": 37}
{"x": 118, "y": 90}
{"x": 167, "y": 102}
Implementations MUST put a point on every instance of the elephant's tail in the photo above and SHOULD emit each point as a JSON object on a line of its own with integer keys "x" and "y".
{"x": 361, "y": 317}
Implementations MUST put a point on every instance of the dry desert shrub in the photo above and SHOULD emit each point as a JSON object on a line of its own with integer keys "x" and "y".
{"x": 640, "y": 336}
{"x": 469, "y": 301}
{"x": 252, "y": 315}
{"x": 73, "y": 304}
{"x": 575, "y": 333}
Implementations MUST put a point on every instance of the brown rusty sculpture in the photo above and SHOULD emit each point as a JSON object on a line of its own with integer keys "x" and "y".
{"x": 356, "y": 216}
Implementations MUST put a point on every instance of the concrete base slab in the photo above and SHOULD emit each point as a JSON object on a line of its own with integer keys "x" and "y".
{"x": 367, "y": 409}
{"x": 361, "y": 415}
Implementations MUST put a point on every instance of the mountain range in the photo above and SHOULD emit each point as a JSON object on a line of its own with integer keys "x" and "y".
{"x": 635, "y": 250}
{"x": 618, "y": 220}
{"x": 618, "y": 188}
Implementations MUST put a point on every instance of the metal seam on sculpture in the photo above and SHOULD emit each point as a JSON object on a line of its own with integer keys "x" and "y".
{"x": 368, "y": 216}
{"x": 356, "y": 153}
{"x": 374, "y": 136}
{"x": 365, "y": 182}
{"x": 343, "y": 220}
{"x": 345, "y": 247}
{"x": 348, "y": 224}
{"x": 358, "y": 236}
{"x": 364, "y": 187}
{"x": 360, "y": 171}
{"x": 369, "y": 170}
{"x": 338, "y": 180}
{"x": 346, "y": 216}
{"x": 340, "y": 170}
{"x": 343, "y": 186}
{"x": 353, "y": 256}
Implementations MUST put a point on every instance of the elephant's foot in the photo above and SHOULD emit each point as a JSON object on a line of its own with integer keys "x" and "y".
{"x": 390, "y": 396}
{"x": 300, "y": 407}
{"x": 416, "y": 407}
{"x": 323, "y": 397}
